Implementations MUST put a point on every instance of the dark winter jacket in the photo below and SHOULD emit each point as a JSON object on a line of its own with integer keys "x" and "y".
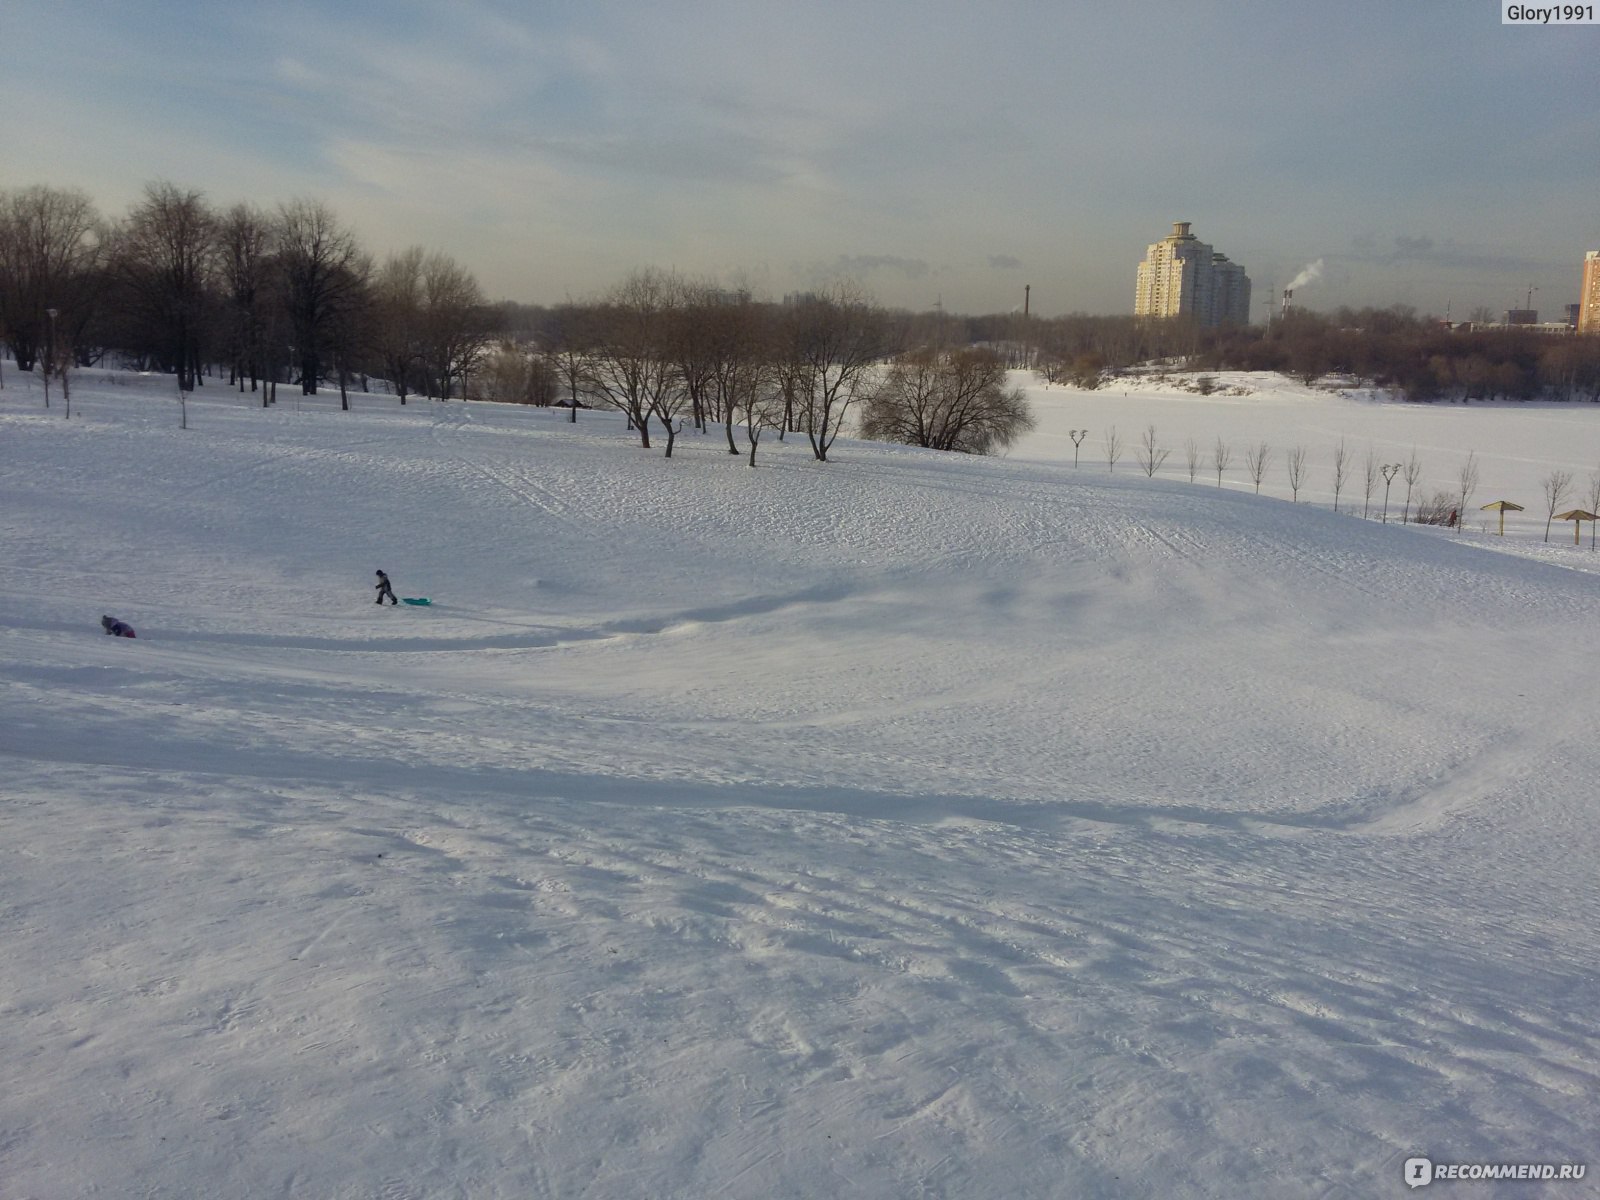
{"x": 116, "y": 628}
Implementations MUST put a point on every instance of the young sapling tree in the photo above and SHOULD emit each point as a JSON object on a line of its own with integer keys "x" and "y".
{"x": 1221, "y": 456}
{"x": 1150, "y": 455}
{"x": 1256, "y": 459}
{"x": 1295, "y": 465}
{"x": 1555, "y": 491}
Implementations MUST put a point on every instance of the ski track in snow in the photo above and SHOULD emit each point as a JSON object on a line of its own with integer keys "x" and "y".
{"x": 905, "y": 825}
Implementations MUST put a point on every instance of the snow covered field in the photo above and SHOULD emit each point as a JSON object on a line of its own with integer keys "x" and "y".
{"x": 907, "y": 825}
{"x": 1515, "y": 445}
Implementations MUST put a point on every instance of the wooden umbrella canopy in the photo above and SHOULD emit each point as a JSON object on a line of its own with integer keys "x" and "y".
{"x": 1577, "y": 516}
{"x": 1503, "y": 507}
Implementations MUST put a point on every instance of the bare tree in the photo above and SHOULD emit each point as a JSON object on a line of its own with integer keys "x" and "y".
{"x": 761, "y": 404}
{"x": 1221, "y": 456}
{"x": 397, "y": 320}
{"x": 744, "y": 378}
{"x": 1555, "y": 491}
{"x": 1295, "y": 464}
{"x": 350, "y": 331}
{"x": 787, "y": 372}
{"x": 1412, "y": 473}
{"x": 64, "y": 374}
{"x": 1256, "y": 460}
{"x": 1594, "y": 503}
{"x": 45, "y": 361}
{"x": 632, "y": 368}
{"x": 728, "y": 353}
{"x": 163, "y": 259}
{"x": 1369, "y": 475}
{"x": 322, "y": 280}
{"x": 1341, "y": 464}
{"x": 52, "y": 245}
{"x": 246, "y": 267}
{"x": 456, "y": 327}
{"x": 1150, "y": 455}
{"x": 1466, "y": 484}
{"x": 947, "y": 400}
{"x": 57, "y": 361}
{"x": 1113, "y": 448}
{"x": 694, "y": 345}
{"x": 1191, "y": 456}
{"x": 570, "y": 349}
{"x": 834, "y": 340}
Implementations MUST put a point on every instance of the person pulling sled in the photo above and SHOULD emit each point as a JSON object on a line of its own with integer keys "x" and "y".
{"x": 116, "y": 628}
{"x": 385, "y": 590}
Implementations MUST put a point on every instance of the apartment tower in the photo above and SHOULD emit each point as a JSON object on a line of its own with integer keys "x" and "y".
{"x": 1181, "y": 276}
{"x": 1589, "y": 297}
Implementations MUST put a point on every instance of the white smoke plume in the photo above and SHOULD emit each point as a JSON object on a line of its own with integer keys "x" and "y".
{"x": 1308, "y": 274}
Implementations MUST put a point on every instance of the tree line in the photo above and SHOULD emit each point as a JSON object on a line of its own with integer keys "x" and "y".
{"x": 1420, "y": 358}
{"x": 265, "y": 297}
{"x": 290, "y": 296}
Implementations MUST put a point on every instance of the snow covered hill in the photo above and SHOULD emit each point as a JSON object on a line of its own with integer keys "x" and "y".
{"x": 907, "y": 825}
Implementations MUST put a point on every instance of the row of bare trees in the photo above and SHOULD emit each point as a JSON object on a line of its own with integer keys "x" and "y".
{"x": 179, "y": 286}
{"x": 1373, "y": 472}
{"x": 671, "y": 353}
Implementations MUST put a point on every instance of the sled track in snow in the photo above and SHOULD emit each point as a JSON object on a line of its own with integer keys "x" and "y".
{"x": 529, "y": 638}
{"x": 278, "y": 459}
{"x": 519, "y": 481}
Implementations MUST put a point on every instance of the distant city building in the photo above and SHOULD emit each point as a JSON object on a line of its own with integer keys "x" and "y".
{"x": 1523, "y": 320}
{"x": 1572, "y": 311}
{"x": 1589, "y": 296}
{"x": 1181, "y": 276}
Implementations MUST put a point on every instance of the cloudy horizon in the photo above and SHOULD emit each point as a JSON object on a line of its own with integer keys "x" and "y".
{"x": 938, "y": 153}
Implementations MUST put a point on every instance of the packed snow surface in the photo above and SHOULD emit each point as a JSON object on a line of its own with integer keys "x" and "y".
{"x": 905, "y": 825}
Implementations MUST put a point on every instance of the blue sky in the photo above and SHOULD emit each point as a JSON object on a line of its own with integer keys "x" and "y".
{"x": 934, "y": 151}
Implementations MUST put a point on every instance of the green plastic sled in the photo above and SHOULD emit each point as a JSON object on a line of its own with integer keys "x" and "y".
{"x": 423, "y": 600}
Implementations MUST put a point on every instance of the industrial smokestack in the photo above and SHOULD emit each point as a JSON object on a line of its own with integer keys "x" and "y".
{"x": 1288, "y": 300}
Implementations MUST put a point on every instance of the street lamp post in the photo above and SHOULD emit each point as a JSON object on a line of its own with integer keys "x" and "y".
{"x": 1390, "y": 470}
{"x": 1077, "y": 436}
{"x": 49, "y": 354}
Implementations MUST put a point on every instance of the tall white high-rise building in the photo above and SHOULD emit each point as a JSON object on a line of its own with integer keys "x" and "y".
{"x": 1181, "y": 276}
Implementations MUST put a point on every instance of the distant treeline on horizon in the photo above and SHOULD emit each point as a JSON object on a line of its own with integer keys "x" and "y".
{"x": 290, "y": 296}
